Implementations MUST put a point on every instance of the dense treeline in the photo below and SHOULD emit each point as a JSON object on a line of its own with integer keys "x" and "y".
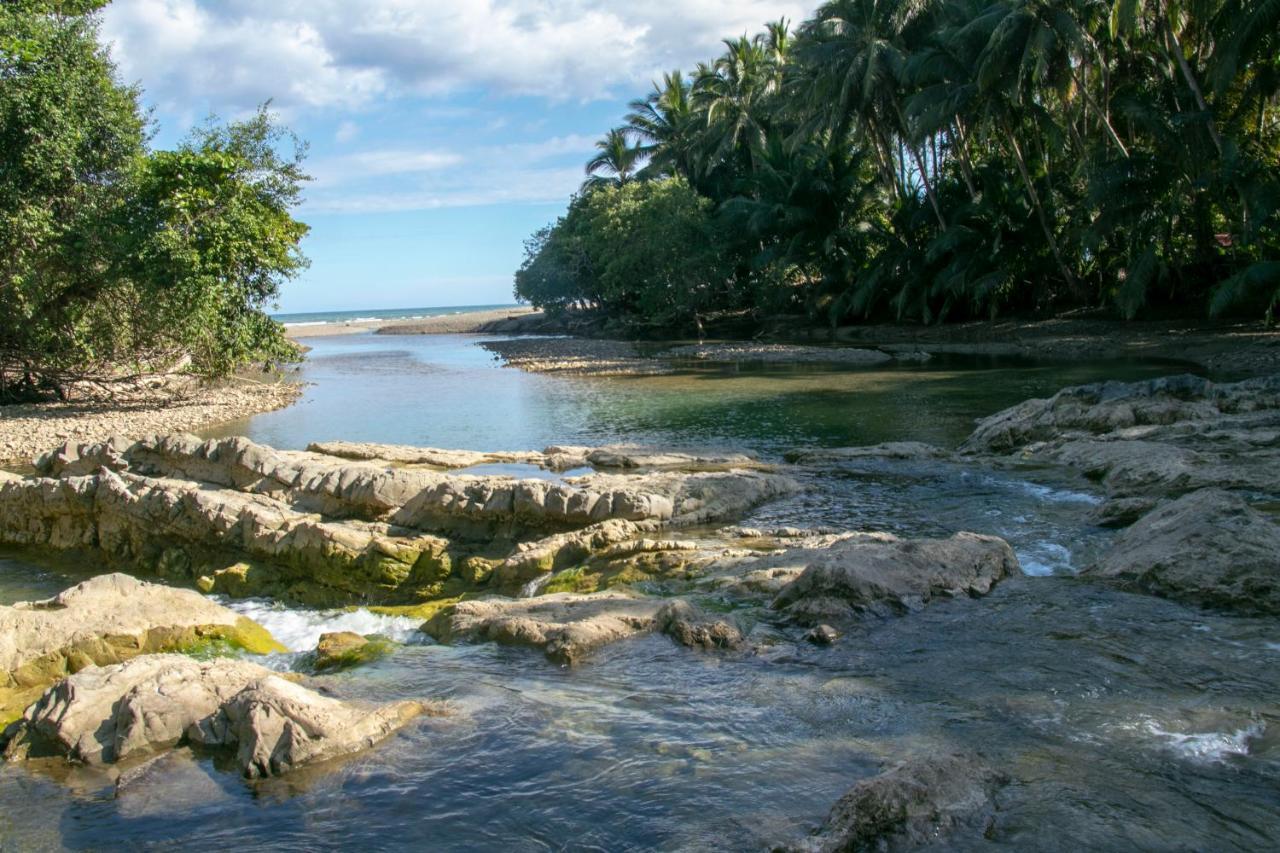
{"x": 934, "y": 159}
{"x": 115, "y": 259}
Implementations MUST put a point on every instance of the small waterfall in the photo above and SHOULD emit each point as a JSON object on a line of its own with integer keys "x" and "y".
{"x": 533, "y": 587}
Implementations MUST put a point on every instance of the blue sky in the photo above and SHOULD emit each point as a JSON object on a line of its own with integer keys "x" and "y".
{"x": 442, "y": 132}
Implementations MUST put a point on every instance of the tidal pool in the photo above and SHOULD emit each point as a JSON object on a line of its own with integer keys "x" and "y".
{"x": 1123, "y": 722}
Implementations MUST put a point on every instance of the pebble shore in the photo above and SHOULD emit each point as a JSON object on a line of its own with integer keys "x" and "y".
{"x": 31, "y": 429}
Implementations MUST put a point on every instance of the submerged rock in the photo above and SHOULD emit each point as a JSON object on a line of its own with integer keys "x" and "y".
{"x": 109, "y": 714}
{"x": 567, "y": 627}
{"x": 1208, "y": 548}
{"x": 105, "y": 620}
{"x": 822, "y": 635}
{"x": 879, "y": 574}
{"x": 914, "y": 451}
{"x": 689, "y": 626}
{"x": 917, "y": 803}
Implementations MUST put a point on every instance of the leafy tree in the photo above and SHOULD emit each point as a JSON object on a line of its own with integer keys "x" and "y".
{"x": 114, "y": 258}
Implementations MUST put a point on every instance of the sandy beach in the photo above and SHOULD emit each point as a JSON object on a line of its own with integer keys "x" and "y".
{"x": 445, "y": 324}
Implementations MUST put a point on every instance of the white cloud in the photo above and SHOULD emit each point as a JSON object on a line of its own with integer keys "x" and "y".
{"x": 347, "y": 131}
{"x": 321, "y": 54}
{"x": 383, "y": 181}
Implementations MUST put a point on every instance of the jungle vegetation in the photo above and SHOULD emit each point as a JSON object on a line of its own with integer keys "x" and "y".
{"x": 925, "y": 160}
{"x": 117, "y": 259}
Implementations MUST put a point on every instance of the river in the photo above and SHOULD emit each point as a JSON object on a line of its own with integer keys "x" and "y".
{"x": 1123, "y": 721}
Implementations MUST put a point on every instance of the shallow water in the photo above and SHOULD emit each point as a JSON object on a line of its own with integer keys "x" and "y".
{"x": 1124, "y": 722}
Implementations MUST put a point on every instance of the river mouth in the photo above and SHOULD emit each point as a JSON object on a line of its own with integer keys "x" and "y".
{"x": 1122, "y": 721}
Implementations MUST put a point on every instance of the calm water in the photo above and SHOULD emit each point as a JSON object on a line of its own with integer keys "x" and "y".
{"x": 1124, "y": 722}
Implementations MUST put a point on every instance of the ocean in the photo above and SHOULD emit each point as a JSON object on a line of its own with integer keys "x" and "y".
{"x": 323, "y": 318}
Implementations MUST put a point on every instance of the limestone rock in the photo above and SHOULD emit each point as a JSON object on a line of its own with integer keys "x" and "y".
{"x": 689, "y": 626}
{"x": 1109, "y": 406}
{"x": 347, "y": 649}
{"x": 1208, "y": 548}
{"x": 917, "y": 803}
{"x": 409, "y": 455}
{"x": 105, "y": 715}
{"x": 241, "y": 518}
{"x": 893, "y": 450}
{"x": 883, "y": 575}
{"x": 106, "y": 620}
{"x": 566, "y": 626}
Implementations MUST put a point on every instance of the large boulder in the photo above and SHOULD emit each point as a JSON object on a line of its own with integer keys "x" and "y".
{"x": 917, "y": 803}
{"x": 1208, "y": 548}
{"x": 880, "y": 574}
{"x": 109, "y": 714}
{"x": 105, "y": 620}
{"x": 567, "y": 627}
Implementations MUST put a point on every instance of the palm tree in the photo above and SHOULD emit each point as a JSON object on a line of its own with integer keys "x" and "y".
{"x": 615, "y": 164}
{"x": 665, "y": 123}
{"x": 854, "y": 52}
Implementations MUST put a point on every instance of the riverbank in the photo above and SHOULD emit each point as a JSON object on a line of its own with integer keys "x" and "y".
{"x": 182, "y": 406}
{"x": 1234, "y": 350}
{"x": 465, "y": 322}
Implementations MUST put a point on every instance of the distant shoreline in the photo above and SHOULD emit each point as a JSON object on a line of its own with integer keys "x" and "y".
{"x": 441, "y": 324}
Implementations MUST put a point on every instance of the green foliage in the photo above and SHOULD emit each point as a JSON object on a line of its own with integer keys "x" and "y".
{"x": 955, "y": 158}
{"x": 650, "y": 249}
{"x": 116, "y": 259}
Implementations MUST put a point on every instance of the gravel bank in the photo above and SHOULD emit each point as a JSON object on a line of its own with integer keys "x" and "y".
{"x": 27, "y": 430}
{"x": 580, "y": 356}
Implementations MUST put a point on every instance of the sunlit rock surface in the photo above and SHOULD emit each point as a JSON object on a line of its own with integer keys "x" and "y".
{"x": 241, "y": 518}
{"x": 105, "y": 620}
{"x": 103, "y": 715}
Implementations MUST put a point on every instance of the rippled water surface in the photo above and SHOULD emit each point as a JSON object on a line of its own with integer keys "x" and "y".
{"x": 1123, "y": 722}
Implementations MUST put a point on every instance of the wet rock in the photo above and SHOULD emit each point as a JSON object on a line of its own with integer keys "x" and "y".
{"x": 106, "y": 620}
{"x": 1208, "y": 548}
{"x": 408, "y": 455}
{"x": 914, "y": 451}
{"x": 1144, "y": 441}
{"x": 105, "y": 715}
{"x": 1110, "y": 406}
{"x": 920, "y": 802}
{"x": 778, "y": 353}
{"x": 822, "y": 635}
{"x": 566, "y": 626}
{"x": 631, "y": 457}
{"x": 689, "y": 626}
{"x": 879, "y": 574}
{"x": 346, "y": 649}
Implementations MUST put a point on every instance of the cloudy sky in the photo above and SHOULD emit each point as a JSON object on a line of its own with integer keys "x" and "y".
{"x": 442, "y": 132}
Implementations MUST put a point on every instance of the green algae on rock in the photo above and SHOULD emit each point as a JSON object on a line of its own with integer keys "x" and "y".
{"x": 241, "y": 519}
{"x": 106, "y": 620}
{"x": 341, "y": 650}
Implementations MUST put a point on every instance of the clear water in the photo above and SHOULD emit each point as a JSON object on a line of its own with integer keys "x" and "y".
{"x": 1124, "y": 722}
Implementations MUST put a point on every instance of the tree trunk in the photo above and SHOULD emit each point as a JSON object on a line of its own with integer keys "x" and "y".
{"x": 1040, "y": 213}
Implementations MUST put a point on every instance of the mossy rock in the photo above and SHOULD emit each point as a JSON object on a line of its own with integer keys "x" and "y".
{"x": 344, "y": 649}
{"x": 25, "y": 684}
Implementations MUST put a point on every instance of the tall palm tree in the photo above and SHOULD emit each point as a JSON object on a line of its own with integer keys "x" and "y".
{"x": 855, "y": 51}
{"x": 665, "y": 122}
{"x": 615, "y": 161}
